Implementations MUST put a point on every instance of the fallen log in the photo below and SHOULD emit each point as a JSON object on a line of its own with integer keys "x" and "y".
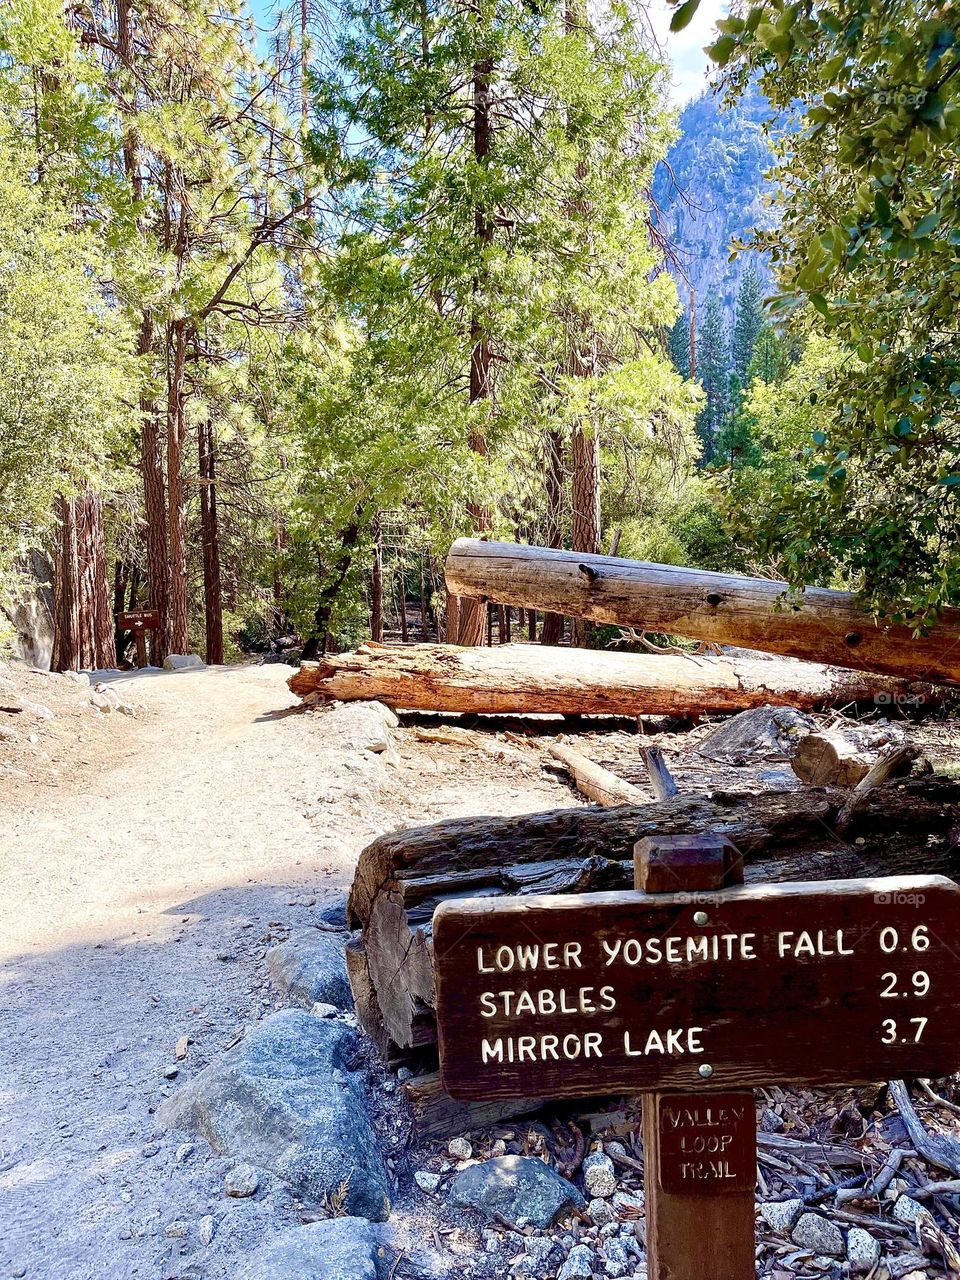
{"x": 722, "y": 608}
{"x": 401, "y": 877}
{"x": 842, "y": 757}
{"x": 595, "y": 782}
{"x": 519, "y": 679}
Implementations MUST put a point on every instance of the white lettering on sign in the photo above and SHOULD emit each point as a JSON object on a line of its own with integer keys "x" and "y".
{"x": 528, "y": 956}
{"x": 546, "y": 1002}
{"x": 542, "y": 1048}
{"x": 693, "y": 949}
{"x": 670, "y": 1041}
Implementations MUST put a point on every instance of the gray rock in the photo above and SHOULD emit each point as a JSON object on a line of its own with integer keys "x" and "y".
{"x": 339, "y": 1249}
{"x": 600, "y": 1211}
{"x": 285, "y": 1100}
{"x": 818, "y": 1235}
{"x": 763, "y": 733}
{"x": 334, "y": 911}
{"x": 617, "y": 1258}
{"x": 516, "y": 1187}
{"x": 37, "y": 709}
{"x": 427, "y": 1181}
{"x": 309, "y": 968}
{"x": 579, "y": 1264}
{"x": 599, "y": 1175}
{"x": 359, "y": 726}
{"x": 459, "y": 1148}
{"x": 206, "y": 1229}
{"x": 907, "y": 1210}
{"x": 242, "y": 1181}
{"x": 182, "y": 661}
{"x": 863, "y": 1251}
{"x": 781, "y": 1215}
{"x": 542, "y": 1255}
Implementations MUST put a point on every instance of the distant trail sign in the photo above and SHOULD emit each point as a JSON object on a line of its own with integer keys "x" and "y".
{"x": 828, "y": 982}
{"x": 139, "y": 621}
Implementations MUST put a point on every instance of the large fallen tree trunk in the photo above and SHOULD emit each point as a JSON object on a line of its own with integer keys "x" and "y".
{"x": 401, "y": 877}
{"x": 723, "y": 608}
{"x": 517, "y": 679}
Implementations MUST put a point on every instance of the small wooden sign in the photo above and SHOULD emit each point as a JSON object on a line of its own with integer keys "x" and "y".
{"x": 828, "y": 982}
{"x": 706, "y": 1142}
{"x": 139, "y": 620}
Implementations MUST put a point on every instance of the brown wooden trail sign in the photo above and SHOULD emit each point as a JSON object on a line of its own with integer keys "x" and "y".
{"x": 139, "y": 621}
{"x": 708, "y": 988}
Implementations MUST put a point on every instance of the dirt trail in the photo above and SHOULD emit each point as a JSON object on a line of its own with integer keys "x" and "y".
{"x": 143, "y": 879}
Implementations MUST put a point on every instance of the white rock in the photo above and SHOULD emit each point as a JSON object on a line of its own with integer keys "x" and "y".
{"x": 781, "y": 1215}
{"x": 599, "y": 1175}
{"x": 600, "y": 1211}
{"x": 241, "y": 1181}
{"x": 321, "y": 1010}
{"x": 206, "y": 1229}
{"x": 907, "y": 1210}
{"x": 460, "y": 1148}
{"x": 499, "y": 1148}
{"x": 427, "y": 1181}
{"x": 182, "y": 661}
{"x": 579, "y": 1264}
{"x": 863, "y": 1250}
{"x": 626, "y": 1202}
{"x": 37, "y": 709}
{"x": 819, "y": 1235}
{"x": 617, "y": 1259}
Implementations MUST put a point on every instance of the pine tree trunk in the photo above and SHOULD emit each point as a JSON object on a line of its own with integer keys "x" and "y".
{"x": 585, "y": 493}
{"x": 66, "y": 602}
{"x": 97, "y": 645}
{"x": 451, "y": 622}
{"x": 210, "y": 530}
{"x": 472, "y": 618}
{"x": 552, "y": 630}
{"x": 376, "y": 584}
{"x": 176, "y": 356}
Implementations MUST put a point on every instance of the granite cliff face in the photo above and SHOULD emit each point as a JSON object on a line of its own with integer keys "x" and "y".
{"x": 712, "y": 190}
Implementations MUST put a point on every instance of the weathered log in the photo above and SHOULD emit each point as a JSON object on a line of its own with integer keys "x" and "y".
{"x": 437, "y": 1115}
{"x": 723, "y": 608}
{"x": 518, "y": 679}
{"x": 595, "y": 782}
{"x": 401, "y": 877}
{"x": 841, "y": 757}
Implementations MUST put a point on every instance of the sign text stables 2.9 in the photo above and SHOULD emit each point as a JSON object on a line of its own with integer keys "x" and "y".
{"x": 827, "y": 983}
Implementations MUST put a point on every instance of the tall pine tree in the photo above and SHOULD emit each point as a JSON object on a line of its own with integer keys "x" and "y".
{"x": 747, "y": 323}
{"x": 713, "y": 375}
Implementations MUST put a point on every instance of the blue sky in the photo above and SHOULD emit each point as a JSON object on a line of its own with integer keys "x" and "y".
{"x": 685, "y": 50}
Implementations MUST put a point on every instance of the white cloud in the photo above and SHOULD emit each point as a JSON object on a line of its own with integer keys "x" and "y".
{"x": 686, "y": 49}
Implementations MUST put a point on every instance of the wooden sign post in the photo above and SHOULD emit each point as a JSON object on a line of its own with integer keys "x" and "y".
{"x": 693, "y": 990}
{"x": 139, "y": 621}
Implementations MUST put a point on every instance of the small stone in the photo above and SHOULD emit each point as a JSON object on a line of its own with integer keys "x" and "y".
{"x": 460, "y": 1148}
{"x": 863, "y": 1251}
{"x": 18, "y": 1271}
{"x": 241, "y": 1181}
{"x": 615, "y": 1149}
{"x": 499, "y": 1148}
{"x": 426, "y": 1181}
{"x": 818, "y": 1235}
{"x": 907, "y": 1210}
{"x": 770, "y": 1122}
{"x": 617, "y": 1259}
{"x": 627, "y": 1204}
{"x": 150, "y": 1149}
{"x": 206, "y": 1229}
{"x": 175, "y": 1231}
{"x": 321, "y": 1010}
{"x": 609, "y": 1229}
{"x": 541, "y": 1256}
{"x": 579, "y": 1264}
{"x": 170, "y": 1073}
{"x": 517, "y": 1188}
{"x": 183, "y": 1152}
{"x": 781, "y": 1215}
{"x": 600, "y": 1211}
{"x": 599, "y": 1175}
{"x": 491, "y": 1240}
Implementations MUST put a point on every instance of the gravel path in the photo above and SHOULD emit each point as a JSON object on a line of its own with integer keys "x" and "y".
{"x": 146, "y": 868}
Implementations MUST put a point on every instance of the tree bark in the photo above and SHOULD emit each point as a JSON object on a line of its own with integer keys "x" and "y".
{"x": 210, "y": 532}
{"x": 472, "y": 615}
{"x": 376, "y": 583}
{"x": 66, "y": 591}
{"x": 97, "y": 644}
{"x": 825, "y": 626}
{"x": 519, "y": 679}
{"x": 176, "y": 357}
{"x": 401, "y": 876}
{"x": 552, "y": 630}
{"x": 585, "y": 501}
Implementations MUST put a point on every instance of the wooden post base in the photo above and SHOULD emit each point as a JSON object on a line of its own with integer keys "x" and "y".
{"x": 699, "y": 1149}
